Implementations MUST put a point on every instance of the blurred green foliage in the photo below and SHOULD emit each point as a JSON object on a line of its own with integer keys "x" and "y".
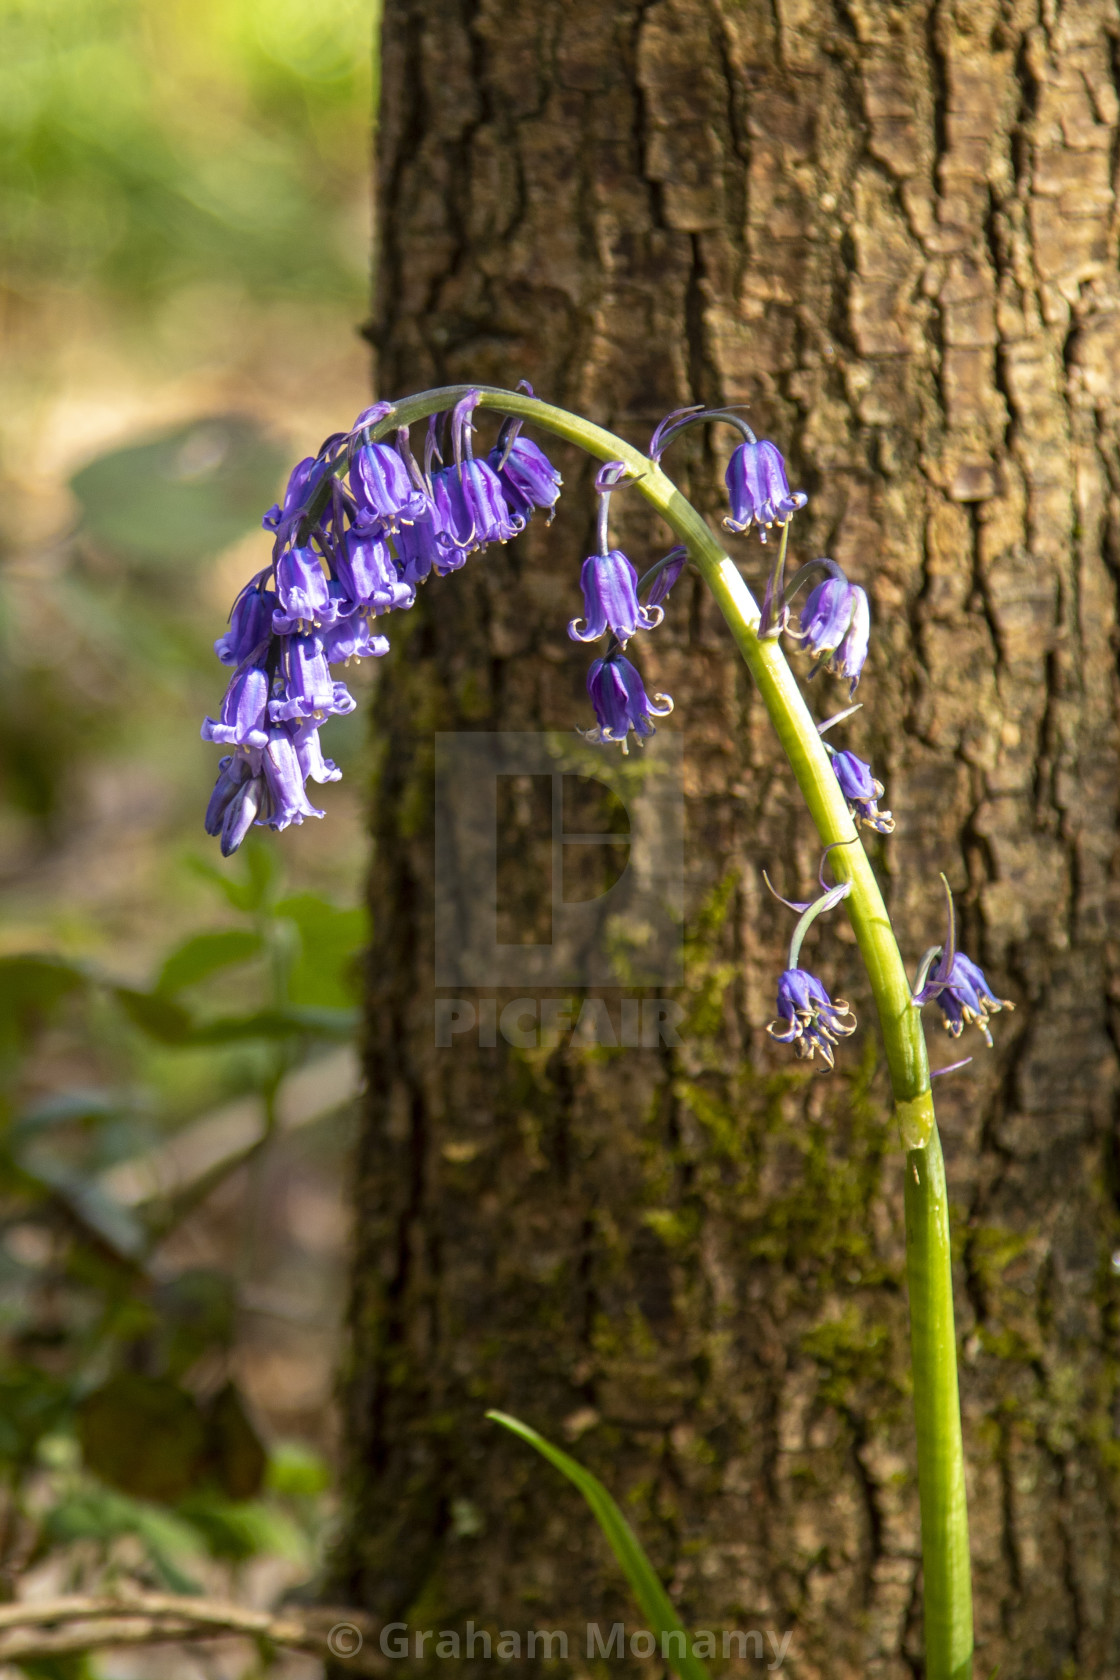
{"x": 119, "y": 1418}
{"x": 162, "y": 504}
{"x": 169, "y": 171}
{"x": 205, "y": 157}
{"x": 149, "y": 144}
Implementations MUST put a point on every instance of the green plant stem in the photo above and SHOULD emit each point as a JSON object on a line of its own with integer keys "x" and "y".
{"x": 945, "y": 1550}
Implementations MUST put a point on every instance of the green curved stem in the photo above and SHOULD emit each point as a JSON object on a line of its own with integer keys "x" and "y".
{"x": 945, "y": 1551}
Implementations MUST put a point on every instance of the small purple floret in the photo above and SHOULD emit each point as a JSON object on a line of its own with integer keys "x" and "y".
{"x": 528, "y": 478}
{"x": 472, "y": 507}
{"x": 287, "y": 800}
{"x": 368, "y": 573}
{"x": 235, "y": 801}
{"x": 250, "y": 623}
{"x": 862, "y": 791}
{"x": 243, "y": 721}
{"x": 758, "y": 489}
{"x": 309, "y": 753}
{"x": 382, "y": 486}
{"x": 424, "y": 546}
{"x": 621, "y": 702}
{"x": 666, "y": 578}
{"x": 305, "y": 479}
{"x": 807, "y": 1017}
{"x": 353, "y": 638}
{"x": 301, "y": 585}
{"x": 610, "y": 600}
{"x": 309, "y": 689}
{"x": 962, "y": 994}
{"x": 835, "y": 627}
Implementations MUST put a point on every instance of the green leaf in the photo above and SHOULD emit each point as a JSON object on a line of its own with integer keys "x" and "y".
{"x": 205, "y": 955}
{"x": 65, "y": 1109}
{"x": 103, "y": 1516}
{"x": 235, "y": 1456}
{"x": 196, "y": 959}
{"x": 278, "y": 1023}
{"x": 323, "y": 974}
{"x": 32, "y": 1404}
{"x": 159, "y": 1017}
{"x": 96, "y": 1213}
{"x": 143, "y": 1435}
{"x": 295, "y": 1471}
{"x": 238, "y": 1531}
{"x": 250, "y": 883}
{"x": 172, "y": 500}
{"x": 652, "y": 1598}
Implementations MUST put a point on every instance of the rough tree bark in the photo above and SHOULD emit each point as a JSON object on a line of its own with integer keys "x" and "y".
{"x": 891, "y": 229}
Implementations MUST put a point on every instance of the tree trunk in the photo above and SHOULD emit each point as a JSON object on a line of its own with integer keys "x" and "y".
{"x": 892, "y": 231}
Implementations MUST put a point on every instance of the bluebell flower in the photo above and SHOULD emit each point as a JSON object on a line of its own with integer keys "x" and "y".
{"x": 861, "y": 790}
{"x": 285, "y": 798}
{"x": 954, "y": 982}
{"x": 382, "y": 485}
{"x": 244, "y": 716}
{"x": 620, "y": 701}
{"x": 471, "y": 509}
{"x": 424, "y": 546}
{"x": 835, "y": 626}
{"x": 807, "y": 1017}
{"x": 352, "y": 638}
{"x": 368, "y": 573}
{"x": 309, "y": 755}
{"x": 758, "y": 488}
{"x": 250, "y": 623}
{"x": 527, "y": 476}
{"x": 308, "y": 689}
{"x": 965, "y": 997}
{"x": 305, "y": 479}
{"x": 668, "y": 571}
{"x": 236, "y": 800}
{"x": 610, "y": 600}
{"x": 302, "y": 590}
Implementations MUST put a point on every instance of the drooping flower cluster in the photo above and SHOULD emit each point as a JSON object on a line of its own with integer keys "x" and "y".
{"x": 364, "y": 524}
{"x": 361, "y": 526}
{"x": 610, "y": 604}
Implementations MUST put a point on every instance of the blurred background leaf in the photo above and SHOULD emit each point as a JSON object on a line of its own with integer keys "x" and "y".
{"x": 182, "y": 498}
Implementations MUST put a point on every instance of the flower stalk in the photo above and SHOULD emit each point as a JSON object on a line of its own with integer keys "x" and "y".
{"x": 609, "y": 586}
{"x": 944, "y": 1516}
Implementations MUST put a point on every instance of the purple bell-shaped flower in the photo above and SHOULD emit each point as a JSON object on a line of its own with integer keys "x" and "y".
{"x": 621, "y": 702}
{"x": 861, "y": 790}
{"x": 244, "y": 715}
{"x": 758, "y": 489}
{"x": 610, "y": 600}
{"x": 835, "y": 625}
{"x": 956, "y": 984}
{"x": 807, "y": 1017}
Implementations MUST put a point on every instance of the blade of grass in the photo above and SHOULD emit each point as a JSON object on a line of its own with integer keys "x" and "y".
{"x": 652, "y": 1598}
